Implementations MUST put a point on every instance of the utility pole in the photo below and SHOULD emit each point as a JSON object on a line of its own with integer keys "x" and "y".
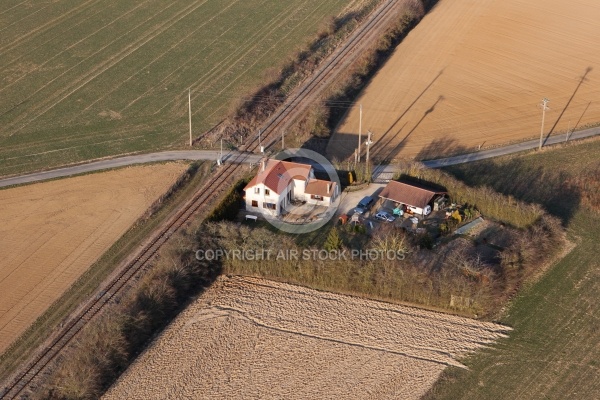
{"x": 221, "y": 154}
{"x": 568, "y": 131}
{"x": 282, "y": 140}
{"x": 190, "y": 112}
{"x": 260, "y": 149}
{"x": 359, "y": 129}
{"x": 368, "y": 144}
{"x": 545, "y": 107}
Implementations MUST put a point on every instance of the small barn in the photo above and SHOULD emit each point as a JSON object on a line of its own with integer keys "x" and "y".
{"x": 410, "y": 197}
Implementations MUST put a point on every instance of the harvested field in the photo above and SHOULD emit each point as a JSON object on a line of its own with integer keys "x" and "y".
{"x": 473, "y": 72}
{"x": 253, "y": 338}
{"x": 52, "y": 232}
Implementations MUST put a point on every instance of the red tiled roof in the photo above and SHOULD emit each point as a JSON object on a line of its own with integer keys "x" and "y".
{"x": 277, "y": 174}
{"x": 407, "y": 194}
{"x": 319, "y": 187}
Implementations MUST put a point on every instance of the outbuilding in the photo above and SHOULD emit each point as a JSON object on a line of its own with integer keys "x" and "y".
{"x": 410, "y": 197}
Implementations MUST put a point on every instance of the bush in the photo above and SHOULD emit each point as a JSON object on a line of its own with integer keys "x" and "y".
{"x": 425, "y": 241}
{"x": 333, "y": 241}
{"x": 229, "y": 208}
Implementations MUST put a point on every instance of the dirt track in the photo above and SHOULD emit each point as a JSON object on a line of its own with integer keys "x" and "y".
{"x": 473, "y": 73}
{"x": 253, "y": 338}
{"x": 52, "y": 232}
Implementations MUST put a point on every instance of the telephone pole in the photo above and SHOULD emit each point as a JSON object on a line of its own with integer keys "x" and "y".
{"x": 368, "y": 144}
{"x": 282, "y": 140}
{"x": 545, "y": 107}
{"x": 259, "y": 142}
{"x": 190, "y": 112}
{"x": 359, "y": 129}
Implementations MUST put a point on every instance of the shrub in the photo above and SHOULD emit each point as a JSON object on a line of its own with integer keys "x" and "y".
{"x": 333, "y": 241}
{"x": 425, "y": 241}
{"x": 229, "y": 208}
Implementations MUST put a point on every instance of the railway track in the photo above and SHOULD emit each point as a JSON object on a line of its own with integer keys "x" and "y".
{"x": 295, "y": 105}
{"x": 301, "y": 98}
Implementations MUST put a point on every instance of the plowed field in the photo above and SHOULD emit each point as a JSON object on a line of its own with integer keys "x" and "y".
{"x": 52, "y": 232}
{"x": 474, "y": 72}
{"x": 253, "y": 338}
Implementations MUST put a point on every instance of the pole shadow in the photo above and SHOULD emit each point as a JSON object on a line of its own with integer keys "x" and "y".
{"x": 582, "y": 79}
{"x": 411, "y": 106}
{"x": 400, "y": 145}
{"x": 581, "y": 117}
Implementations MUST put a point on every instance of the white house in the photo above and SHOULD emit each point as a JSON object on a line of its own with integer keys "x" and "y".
{"x": 278, "y": 183}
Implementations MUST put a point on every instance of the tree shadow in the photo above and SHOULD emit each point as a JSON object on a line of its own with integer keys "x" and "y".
{"x": 582, "y": 79}
{"x": 524, "y": 181}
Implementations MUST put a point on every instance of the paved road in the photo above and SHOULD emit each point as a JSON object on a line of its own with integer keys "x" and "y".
{"x": 122, "y": 162}
{"x": 385, "y": 172}
{"x": 510, "y": 149}
{"x": 381, "y": 173}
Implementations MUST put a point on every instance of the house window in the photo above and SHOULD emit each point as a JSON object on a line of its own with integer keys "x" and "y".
{"x": 267, "y": 192}
{"x": 254, "y": 203}
{"x": 256, "y": 190}
{"x": 316, "y": 197}
{"x": 270, "y": 206}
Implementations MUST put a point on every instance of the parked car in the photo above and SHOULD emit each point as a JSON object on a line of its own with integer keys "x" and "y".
{"x": 364, "y": 205}
{"x": 385, "y": 216}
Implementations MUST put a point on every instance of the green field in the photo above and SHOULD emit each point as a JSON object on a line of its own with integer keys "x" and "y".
{"x": 92, "y": 78}
{"x": 554, "y": 350}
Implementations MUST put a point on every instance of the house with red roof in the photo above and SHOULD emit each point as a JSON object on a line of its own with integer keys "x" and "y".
{"x": 280, "y": 183}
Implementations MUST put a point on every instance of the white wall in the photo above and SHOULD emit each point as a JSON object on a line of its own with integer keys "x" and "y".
{"x": 261, "y": 198}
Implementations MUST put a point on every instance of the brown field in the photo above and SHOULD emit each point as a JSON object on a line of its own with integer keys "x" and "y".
{"x": 473, "y": 72}
{"x": 52, "y": 232}
{"x": 253, "y": 338}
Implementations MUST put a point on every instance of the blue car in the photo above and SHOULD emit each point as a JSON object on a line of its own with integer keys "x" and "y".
{"x": 364, "y": 205}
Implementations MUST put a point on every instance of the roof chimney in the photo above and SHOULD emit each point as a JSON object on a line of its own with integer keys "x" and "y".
{"x": 263, "y": 164}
